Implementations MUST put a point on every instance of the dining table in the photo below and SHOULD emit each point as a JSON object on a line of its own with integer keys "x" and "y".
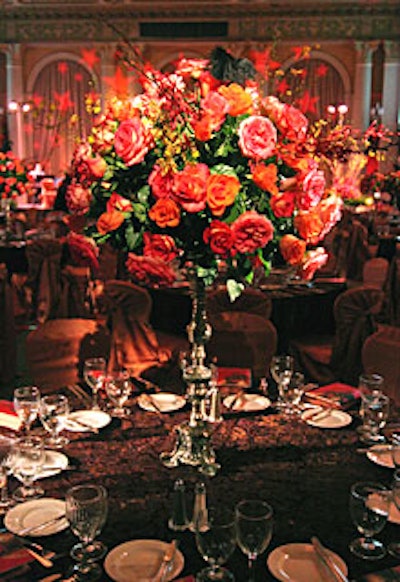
{"x": 303, "y": 470}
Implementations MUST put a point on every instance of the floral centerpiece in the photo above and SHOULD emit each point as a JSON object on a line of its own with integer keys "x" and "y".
{"x": 205, "y": 171}
{"x": 15, "y": 179}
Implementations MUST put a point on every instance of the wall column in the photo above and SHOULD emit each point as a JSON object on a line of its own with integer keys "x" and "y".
{"x": 391, "y": 85}
{"x": 15, "y": 93}
{"x": 362, "y": 85}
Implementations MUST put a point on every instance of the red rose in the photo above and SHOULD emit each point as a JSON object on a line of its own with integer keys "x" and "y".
{"x": 282, "y": 204}
{"x": 159, "y": 246}
{"x": 161, "y": 183}
{"x": 292, "y": 249}
{"x": 78, "y": 198}
{"x": 309, "y": 225}
{"x": 314, "y": 260}
{"x": 221, "y": 192}
{"x": 257, "y": 137}
{"x": 190, "y": 187}
{"x": 132, "y": 141}
{"x": 117, "y": 202}
{"x": 149, "y": 271}
{"x": 313, "y": 188}
{"x": 252, "y": 231}
{"x": 220, "y": 237}
{"x": 83, "y": 251}
{"x": 215, "y": 106}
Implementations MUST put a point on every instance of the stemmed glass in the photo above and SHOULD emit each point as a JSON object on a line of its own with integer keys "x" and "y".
{"x": 293, "y": 392}
{"x": 374, "y": 411}
{"x": 118, "y": 389}
{"x": 53, "y": 412}
{"x": 254, "y": 524}
{"x": 86, "y": 511}
{"x": 27, "y": 457}
{"x": 282, "y": 369}
{"x": 94, "y": 371}
{"x": 216, "y": 542}
{"x": 369, "y": 510}
{"x": 394, "y": 547}
{"x": 26, "y": 405}
{"x": 5, "y": 450}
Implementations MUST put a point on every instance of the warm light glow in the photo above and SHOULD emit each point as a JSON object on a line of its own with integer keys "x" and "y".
{"x": 13, "y": 106}
{"x": 342, "y": 109}
{"x": 331, "y": 109}
{"x": 26, "y": 107}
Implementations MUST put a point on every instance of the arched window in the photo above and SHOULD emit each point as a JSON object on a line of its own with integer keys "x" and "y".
{"x": 59, "y": 117}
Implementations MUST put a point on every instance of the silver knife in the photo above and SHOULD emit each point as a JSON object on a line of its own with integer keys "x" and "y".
{"x": 335, "y": 572}
{"x": 40, "y": 526}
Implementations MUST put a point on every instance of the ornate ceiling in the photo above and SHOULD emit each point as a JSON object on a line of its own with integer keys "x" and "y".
{"x": 154, "y": 20}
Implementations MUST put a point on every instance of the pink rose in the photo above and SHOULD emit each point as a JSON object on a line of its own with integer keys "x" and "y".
{"x": 314, "y": 260}
{"x": 161, "y": 183}
{"x": 252, "y": 231}
{"x": 190, "y": 187}
{"x": 149, "y": 271}
{"x": 313, "y": 188}
{"x": 132, "y": 141}
{"x": 257, "y": 137}
{"x": 78, "y": 198}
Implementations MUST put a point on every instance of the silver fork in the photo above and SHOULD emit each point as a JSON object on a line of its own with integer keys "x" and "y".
{"x": 166, "y": 563}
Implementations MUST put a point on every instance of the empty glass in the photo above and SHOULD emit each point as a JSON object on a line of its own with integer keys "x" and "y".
{"x": 118, "y": 389}
{"x": 369, "y": 509}
{"x": 374, "y": 411}
{"x": 94, "y": 371}
{"x": 5, "y": 450}
{"x": 26, "y": 405}
{"x": 86, "y": 511}
{"x": 216, "y": 542}
{"x": 282, "y": 369}
{"x": 394, "y": 547}
{"x": 254, "y": 524}
{"x": 292, "y": 393}
{"x": 27, "y": 458}
{"x": 53, "y": 413}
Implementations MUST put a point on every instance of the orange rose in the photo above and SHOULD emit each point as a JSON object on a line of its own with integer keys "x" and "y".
{"x": 282, "y": 204}
{"x": 239, "y": 100}
{"x": 265, "y": 177}
{"x": 292, "y": 249}
{"x": 109, "y": 221}
{"x": 165, "y": 212}
{"x": 221, "y": 192}
{"x": 309, "y": 225}
{"x": 190, "y": 187}
{"x": 203, "y": 128}
{"x": 117, "y": 202}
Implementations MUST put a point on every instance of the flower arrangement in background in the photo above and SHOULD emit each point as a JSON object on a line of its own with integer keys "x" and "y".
{"x": 202, "y": 169}
{"x": 15, "y": 179}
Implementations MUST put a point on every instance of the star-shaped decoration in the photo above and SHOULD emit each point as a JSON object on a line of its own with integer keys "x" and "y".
{"x": 307, "y": 103}
{"x": 63, "y": 101}
{"x": 282, "y": 87}
{"x": 322, "y": 70}
{"x": 62, "y": 67}
{"x": 89, "y": 56}
{"x": 301, "y": 52}
{"x": 37, "y": 100}
{"x": 118, "y": 83}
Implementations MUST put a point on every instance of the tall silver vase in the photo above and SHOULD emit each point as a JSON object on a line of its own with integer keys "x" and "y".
{"x": 193, "y": 438}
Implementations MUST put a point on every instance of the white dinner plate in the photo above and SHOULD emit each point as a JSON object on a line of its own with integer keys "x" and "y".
{"x": 247, "y": 402}
{"x": 90, "y": 419}
{"x": 139, "y": 560}
{"x": 164, "y": 401}
{"x": 54, "y": 463}
{"x": 326, "y": 418}
{"x": 381, "y": 455}
{"x": 35, "y": 512}
{"x": 299, "y": 563}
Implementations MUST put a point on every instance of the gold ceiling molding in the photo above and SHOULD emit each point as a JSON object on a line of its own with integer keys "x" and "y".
{"x": 54, "y": 21}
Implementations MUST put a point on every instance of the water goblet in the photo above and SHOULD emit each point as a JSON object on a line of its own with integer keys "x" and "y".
{"x": 369, "y": 509}
{"x": 118, "y": 387}
{"x": 394, "y": 547}
{"x": 216, "y": 541}
{"x": 5, "y": 449}
{"x": 27, "y": 457}
{"x": 86, "y": 511}
{"x": 293, "y": 392}
{"x": 94, "y": 371}
{"x": 26, "y": 405}
{"x": 281, "y": 369}
{"x": 53, "y": 412}
{"x": 374, "y": 411}
{"x": 254, "y": 524}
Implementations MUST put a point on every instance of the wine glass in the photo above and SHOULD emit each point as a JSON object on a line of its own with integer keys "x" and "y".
{"x": 216, "y": 541}
{"x": 27, "y": 457}
{"x": 53, "y": 412}
{"x": 293, "y": 392}
{"x": 254, "y": 524}
{"x": 94, "y": 371}
{"x": 281, "y": 369}
{"x": 374, "y": 411}
{"x": 119, "y": 387}
{"x": 26, "y": 405}
{"x": 5, "y": 450}
{"x": 394, "y": 547}
{"x": 369, "y": 509}
{"x": 86, "y": 511}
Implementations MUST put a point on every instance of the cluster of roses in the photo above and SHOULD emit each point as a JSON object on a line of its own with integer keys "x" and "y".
{"x": 15, "y": 179}
{"x": 203, "y": 171}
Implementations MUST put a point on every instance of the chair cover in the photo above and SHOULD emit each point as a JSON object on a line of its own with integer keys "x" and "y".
{"x": 7, "y": 335}
{"x": 392, "y": 293}
{"x": 381, "y": 355}
{"x": 375, "y": 272}
{"x": 135, "y": 345}
{"x": 242, "y": 334}
{"x": 75, "y": 300}
{"x": 350, "y": 247}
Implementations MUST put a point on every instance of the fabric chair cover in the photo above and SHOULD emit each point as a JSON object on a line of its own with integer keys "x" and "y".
{"x": 56, "y": 350}
{"x": 350, "y": 248}
{"x": 44, "y": 277}
{"x": 75, "y": 298}
{"x": 242, "y": 334}
{"x": 375, "y": 272}
{"x": 328, "y": 358}
{"x": 7, "y": 335}
{"x": 381, "y": 355}
{"x": 135, "y": 345}
{"x": 392, "y": 293}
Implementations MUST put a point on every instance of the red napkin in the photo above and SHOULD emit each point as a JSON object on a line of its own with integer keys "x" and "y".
{"x": 12, "y": 557}
{"x": 8, "y": 416}
{"x": 343, "y": 395}
{"x": 238, "y": 377}
{"x": 186, "y": 579}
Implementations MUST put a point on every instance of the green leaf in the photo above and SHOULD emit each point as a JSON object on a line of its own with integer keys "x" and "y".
{"x": 234, "y": 289}
{"x": 132, "y": 238}
{"x": 223, "y": 169}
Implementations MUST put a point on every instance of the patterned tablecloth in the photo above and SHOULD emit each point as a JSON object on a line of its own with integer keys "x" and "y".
{"x": 304, "y": 472}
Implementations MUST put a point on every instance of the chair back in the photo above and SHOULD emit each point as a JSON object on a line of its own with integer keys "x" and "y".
{"x": 381, "y": 355}
{"x": 375, "y": 272}
{"x": 392, "y": 293}
{"x": 75, "y": 298}
{"x": 44, "y": 277}
{"x": 7, "y": 333}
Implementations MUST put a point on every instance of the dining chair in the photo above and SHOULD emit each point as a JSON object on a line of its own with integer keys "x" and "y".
{"x": 381, "y": 355}
{"x": 392, "y": 293}
{"x": 242, "y": 332}
{"x": 325, "y": 359}
{"x": 8, "y": 346}
{"x": 375, "y": 272}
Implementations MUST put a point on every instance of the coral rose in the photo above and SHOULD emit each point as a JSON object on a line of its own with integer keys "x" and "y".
{"x": 221, "y": 192}
{"x": 309, "y": 225}
{"x": 292, "y": 249}
{"x": 314, "y": 260}
{"x": 165, "y": 213}
{"x": 265, "y": 177}
{"x": 96, "y": 167}
{"x": 203, "y": 128}
{"x": 78, "y": 198}
{"x": 159, "y": 246}
{"x": 190, "y": 187}
{"x": 109, "y": 221}
{"x": 252, "y": 231}
{"x": 257, "y": 137}
{"x": 161, "y": 183}
{"x": 117, "y": 202}
{"x": 150, "y": 271}
{"x": 220, "y": 237}
{"x": 83, "y": 250}
{"x": 132, "y": 141}
{"x": 239, "y": 101}
{"x": 215, "y": 106}
{"x": 282, "y": 204}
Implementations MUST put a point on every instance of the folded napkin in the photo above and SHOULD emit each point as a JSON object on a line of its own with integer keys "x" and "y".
{"x": 335, "y": 395}
{"x": 8, "y": 416}
{"x": 13, "y": 555}
{"x": 239, "y": 377}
